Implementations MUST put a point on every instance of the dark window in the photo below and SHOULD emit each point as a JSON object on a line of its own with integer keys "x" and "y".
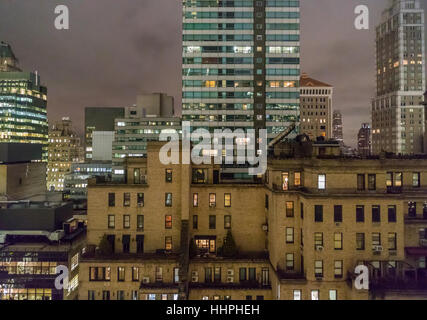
{"x": 392, "y": 241}
{"x": 195, "y": 222}
{"x": 168, "y": 175}
{"x": 360, "y": 241}
{"x": 139, "y": 243}
{"x": 372, "y": 182}
{"x": 416, "y": 180}
{"x": 360, "y": 182}
{"x": 302, "y": 210}
{"x": 412, "y": 209}
{"x": 199, "y": 176}
{"x": 208, "y": 275}
{"x": 242, "y": 274}
{"x": 212, "y": 222}
{"x": 266, "y": 201}
{"x": 360, "y": 214}
{"x": 126, "y": 243}
{"x": 391, "y": 213}
{"x": 376, "y": 214}
{"x": 217, "y": 274}
{"x": 111, "y": 199}
{"x": 318, "y": 213}
{"x": 252, "y": 274}
{"x": 338, "y": 213}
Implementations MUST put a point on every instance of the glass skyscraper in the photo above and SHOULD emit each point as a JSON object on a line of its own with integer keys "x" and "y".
{"x": 23, "y": 102}
{"x": 397, "y": 111}
{"x": 241, "y": 64}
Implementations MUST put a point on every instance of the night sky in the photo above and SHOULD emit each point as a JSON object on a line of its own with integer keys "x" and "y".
{"x": 117, "y": 49}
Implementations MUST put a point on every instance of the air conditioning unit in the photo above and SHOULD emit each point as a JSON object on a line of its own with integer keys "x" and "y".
{"x": 377, "y": 248}
{"x": 230, "y": 273}
{"x": 140, "y": 204}
{"x": 338, "y": 224}
{"x": 212, "y": 205}
{"x": 265, "y": 227}
{"x": 230, "y": 279}
{"x": 146, "y": 280}
{"x": 423, "y": 242}
{"x": 319, "y": 248}
{"x": 393, "y": 253}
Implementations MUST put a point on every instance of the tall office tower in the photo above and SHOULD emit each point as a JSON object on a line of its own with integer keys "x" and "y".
{"x": 241, "y": 64}
{"x": 64, "y": 150}
{"x": 142, "y": 123}
{"x": 364, "y": 140}
{"x": 337, "y": 132}
{"x": 425, "y": 120}
{"x": 99, "y": 124}
{"x": 23, "y": 103}
{"x": 397, "y": 114}
{"x": 315, "y": 108}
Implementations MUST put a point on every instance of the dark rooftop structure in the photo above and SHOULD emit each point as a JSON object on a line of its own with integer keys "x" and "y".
{"x": 20, "y": 152}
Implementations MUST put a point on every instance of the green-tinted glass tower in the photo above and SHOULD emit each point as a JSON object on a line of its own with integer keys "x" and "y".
{"x": 241, "y": 64}
{"x": 23, "y": 102}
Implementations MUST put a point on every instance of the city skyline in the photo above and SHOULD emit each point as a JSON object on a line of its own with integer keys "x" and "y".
{"x": 146, "y": 53}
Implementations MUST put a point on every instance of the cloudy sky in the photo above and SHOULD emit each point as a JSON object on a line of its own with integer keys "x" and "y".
{"x": 116, "y": 49}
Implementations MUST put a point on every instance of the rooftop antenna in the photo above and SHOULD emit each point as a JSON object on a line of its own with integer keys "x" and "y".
{"x": 37, "y": 78}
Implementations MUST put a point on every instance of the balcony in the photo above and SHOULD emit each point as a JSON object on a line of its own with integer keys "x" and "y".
{"x": 398, "y": 284}
{"x": 233, "y": 285}
{"x": 394, "y": 190}
{"x": 416, "y": 217}
{"x": 423, "y": 243}
{"x": 286, "y": 275}
{"x": 159, "y": 285}
{"x": 279, "y": 187}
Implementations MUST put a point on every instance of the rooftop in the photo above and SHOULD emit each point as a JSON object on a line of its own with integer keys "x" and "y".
{"x": 6, "y": 51}
{"x": 306, "y": 81}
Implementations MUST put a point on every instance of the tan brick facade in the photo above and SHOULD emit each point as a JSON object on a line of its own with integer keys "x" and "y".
{"x": 300, "y": 233}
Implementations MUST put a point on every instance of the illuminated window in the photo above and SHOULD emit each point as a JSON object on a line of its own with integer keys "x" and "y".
{"x": 297, "y": 179}
{"x": 212, "y": 200}
{"x": 227, "y": 200}
{"x": 168, "y": 222}
{"x": 285, "y": 181}
{"x": 321, "y": 181}
{"x": 168, "y": 243}
{"x": 338, "y": 241}
{"x": 289, "y": 209}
